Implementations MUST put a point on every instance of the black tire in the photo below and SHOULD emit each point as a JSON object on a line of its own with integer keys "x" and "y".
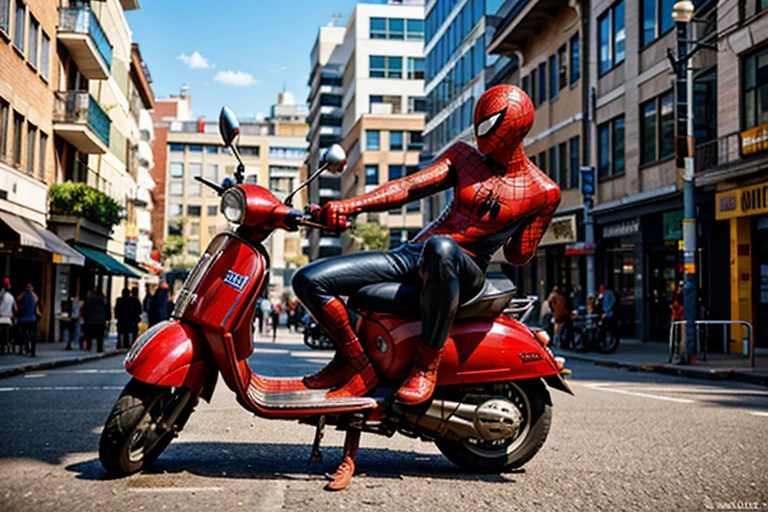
{"x": 140, "y": 406}
{"x": 477, "y": 459}
{"x": 579, "y": 341}
{"x": 608, "y": 342}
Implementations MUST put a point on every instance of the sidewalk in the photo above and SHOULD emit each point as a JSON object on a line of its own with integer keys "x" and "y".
{"x": 52, "y": 355}
{"x": 654, "y": 356}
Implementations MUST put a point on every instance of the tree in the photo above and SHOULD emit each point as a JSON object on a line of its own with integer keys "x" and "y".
{"x": 371, "y": 236}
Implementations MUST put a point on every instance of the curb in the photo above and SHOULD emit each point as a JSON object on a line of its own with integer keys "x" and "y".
{"x": 678, "y": 371}
{"x": 44, "y": 365}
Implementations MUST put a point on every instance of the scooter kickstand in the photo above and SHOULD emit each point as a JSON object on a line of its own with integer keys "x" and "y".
{"x": 317, "y": 455}
{"x": 346, "y": 469}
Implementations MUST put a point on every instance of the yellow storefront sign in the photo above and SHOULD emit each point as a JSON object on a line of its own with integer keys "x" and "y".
{"x": 740, "y": 202}
{"x": 754, "y": 140}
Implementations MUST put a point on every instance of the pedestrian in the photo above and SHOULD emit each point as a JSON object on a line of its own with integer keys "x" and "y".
{"x": 260, "y": 314}
{"x": 676, "y": 307}
{"x": 266, "y": 310}
{"x": 606, "y": 306}
{"x": 158, "y": 306}
{"x": 125, "y": 315}
{"x": 274, "y": 319}
{"x": 27, "y": 314}
{"x": 95, "y": 312}
{"x": 137, "y": 309}
{"x": 147, "y": 299}
{"x": 560, "y": 314}
{"x": 75, "y": 319}
{"x": 7, "y": 310}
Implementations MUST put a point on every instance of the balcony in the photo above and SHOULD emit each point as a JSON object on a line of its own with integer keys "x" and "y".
{"x": 78, "y": 119}
{"x": 81, "y": 33}
{"x": 732, "y": 155}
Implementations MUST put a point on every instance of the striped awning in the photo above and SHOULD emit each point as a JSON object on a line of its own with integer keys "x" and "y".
{"x": 34, "y": 235}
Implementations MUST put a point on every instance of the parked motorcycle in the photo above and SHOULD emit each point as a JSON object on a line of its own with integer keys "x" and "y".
{"x": 490, "y": 411}
{"x": 314, "y": 336}
{"x": 592, "y": 332}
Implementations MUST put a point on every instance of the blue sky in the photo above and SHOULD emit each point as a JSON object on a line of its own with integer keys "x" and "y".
{"x": 240, "y": 53}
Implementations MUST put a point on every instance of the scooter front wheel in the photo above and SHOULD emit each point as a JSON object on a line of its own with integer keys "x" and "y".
{"x": 142, "y": 424}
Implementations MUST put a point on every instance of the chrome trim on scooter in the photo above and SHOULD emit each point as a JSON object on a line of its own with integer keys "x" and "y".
{"x": 315, "y": 398}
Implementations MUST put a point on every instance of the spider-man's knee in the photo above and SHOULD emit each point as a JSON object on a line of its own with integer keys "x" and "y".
{"x": 439, "y": 250}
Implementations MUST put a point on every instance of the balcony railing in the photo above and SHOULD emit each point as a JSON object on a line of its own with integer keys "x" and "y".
{"x": 79, "y": 107}
{"x": 84, "y": 21}
{"x": 718, "y": 153}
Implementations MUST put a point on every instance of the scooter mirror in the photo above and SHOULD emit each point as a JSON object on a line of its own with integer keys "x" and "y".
{"x": 229, "y": 126}
{"x": 336, "y": 158}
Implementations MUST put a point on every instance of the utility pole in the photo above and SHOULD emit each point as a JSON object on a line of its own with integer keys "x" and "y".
{"x": 682, "y": 14}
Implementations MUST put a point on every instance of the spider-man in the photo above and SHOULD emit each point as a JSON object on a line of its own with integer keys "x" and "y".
{"x": 500, "y": 199}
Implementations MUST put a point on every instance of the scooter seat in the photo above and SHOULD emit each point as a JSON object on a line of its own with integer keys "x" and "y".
{"x": 404, "y": 300}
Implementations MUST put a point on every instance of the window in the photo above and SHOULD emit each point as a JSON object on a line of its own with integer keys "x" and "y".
{"x": 526, "y": 85}
{"x": 3, "y": 127}
{"x": 211, "y": 230}
{"x": 611, "y": 37}
{"x": 415, "y": 140}
{"x": 176, "y": 148}
{"x": 31, "y": 146}
{"x": 18, "y": 123}
{"x": 542, "y": 94}
{"x": 575, "y": 150}
{"x": 174, "y": 210}
{"x": 657, "y": 129}
{"x": 18, "y": 35}
{"x": 553, "y": 74}
{"x": 195, "y": 170}
{"x": 176, "y": 188}
{"x": 542, "y": 161}
{"x": 415, "y": 68}
{"x": 395, "y": 141}
{"x": 378, "y": 28}
{"x": 657, "y": 19}
{"x": 562, "y": 77}
{"x": 533, "y": 95}
{"x": 760, "y": 7}
{"x": 194, "y": 227}
{"x": 416, "y": 104}
{"x": 212, "y": 150}
{"x": 213, "y": 210}
{"x": 5, "y": 5}
{"x": 610, "y": 148}
{"x": 45, "y": 56}
{"x": 395, "y": 67}
{"x": 755, "y": 84}
{"x": 562, "y": 164}
{"x": 176, "y": 227}
{"x": 371, "y": 174}
{"x": 194, "y": 189}
{"x": 395, "y": 172}
{"x": 415, "y": 29}
{"x": 195, "y": 148}
{"x": 413, "y": 207}
{"x": 372, "y": 140}
{"x": 41, "y": 155}
{"x": 575, "y": 59}
{"x": 212, "y": 172}
{"x": 396, "y": 28}
{"x": 386, "y": 67}
{"x": 34, "y": 34}
{"x": 193, "y": 211}
{"x": 552, "y": 169}
{"x": 193, "y": 247}
{"x": 248, "y": 150}
{"x": 177, "y": 170}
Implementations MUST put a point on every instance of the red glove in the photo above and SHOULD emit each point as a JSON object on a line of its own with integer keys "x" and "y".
{"x": 330, "y": 216}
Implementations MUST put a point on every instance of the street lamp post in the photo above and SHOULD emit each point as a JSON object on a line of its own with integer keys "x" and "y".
{"x": 682, "y": 14}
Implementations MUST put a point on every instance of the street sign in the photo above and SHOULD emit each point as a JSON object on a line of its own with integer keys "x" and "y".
{"x": 588, "y": 181}
{"x": 579, "y": 249}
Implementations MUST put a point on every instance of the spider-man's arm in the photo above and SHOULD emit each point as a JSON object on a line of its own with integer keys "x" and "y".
{"x": 521, "y": 247}
{"x": 439, "y": 175}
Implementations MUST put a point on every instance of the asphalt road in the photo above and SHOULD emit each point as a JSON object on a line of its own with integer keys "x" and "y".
{"x": 626, "y": 441}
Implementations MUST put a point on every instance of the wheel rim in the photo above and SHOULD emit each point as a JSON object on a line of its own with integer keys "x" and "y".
{"x": 153, "y": 427}
{"x": 608, "y": 341}
{"x": 502, "y": 447}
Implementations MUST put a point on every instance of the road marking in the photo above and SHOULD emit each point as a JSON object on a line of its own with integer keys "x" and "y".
{"x": 34, "y": 375}
{"x": 700, "y": 391}
{"x": 61, "y": 388}
{"x": 601, "y": 387}
{"x": 175, "y": 489}
{"x": 758, "y": 413}
{"x": 270, "y": 351}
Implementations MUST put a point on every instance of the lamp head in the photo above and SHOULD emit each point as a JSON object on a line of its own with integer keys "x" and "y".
{"x": 682, "y": 11}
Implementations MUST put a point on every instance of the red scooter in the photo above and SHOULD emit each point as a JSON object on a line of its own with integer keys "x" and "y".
{"x": 490, "y": 411}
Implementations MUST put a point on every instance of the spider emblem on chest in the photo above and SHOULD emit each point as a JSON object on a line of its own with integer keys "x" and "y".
{"x": 487, "y": 204}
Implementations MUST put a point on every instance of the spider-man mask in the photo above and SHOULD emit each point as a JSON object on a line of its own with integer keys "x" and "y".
{"x": 503, "y": 116}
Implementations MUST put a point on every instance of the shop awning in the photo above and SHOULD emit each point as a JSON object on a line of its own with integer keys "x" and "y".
{"x": 134, "y": 266}
{"x": 109, "y": 264}
{"x": 33, "y": 235}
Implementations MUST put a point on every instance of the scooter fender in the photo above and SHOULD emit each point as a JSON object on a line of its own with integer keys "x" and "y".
{"x": 173, "y": 353}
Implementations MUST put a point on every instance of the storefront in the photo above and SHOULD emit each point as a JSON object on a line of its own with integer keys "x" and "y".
{"x": 619, "y": 264}
{"x": 745, "y": 209}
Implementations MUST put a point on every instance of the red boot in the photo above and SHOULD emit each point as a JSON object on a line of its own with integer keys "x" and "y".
{"x": 420, "y": 383}
{"x": 336, "y": 373}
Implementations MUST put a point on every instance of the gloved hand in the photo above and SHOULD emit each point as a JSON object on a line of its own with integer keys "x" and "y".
{"x": 330, "y": 216}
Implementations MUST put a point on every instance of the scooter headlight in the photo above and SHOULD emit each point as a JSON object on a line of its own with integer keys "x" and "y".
{"x": 233, "y": 205}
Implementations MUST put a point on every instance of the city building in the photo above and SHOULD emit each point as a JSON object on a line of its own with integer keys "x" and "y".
{"x": 731, "y": 176}
{"x": 547, "y": 49}
{"x": 382, "y": 105}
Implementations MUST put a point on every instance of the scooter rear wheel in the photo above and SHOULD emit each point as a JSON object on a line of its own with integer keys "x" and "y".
{"x": 142, "y": 424}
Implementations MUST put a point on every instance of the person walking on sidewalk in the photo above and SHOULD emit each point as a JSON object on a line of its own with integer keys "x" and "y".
{"x": 95, "y": 315}
{"x": 26, "y": 317}
{"x": 137, "y": 309}
{"x": 7, "y": 310}
{"x": 274, "y": 319}
{"x": 125, "y": 316}
{"x": 75, "y": 324}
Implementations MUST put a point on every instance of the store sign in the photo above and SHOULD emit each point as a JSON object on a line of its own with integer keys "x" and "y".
{"x": 741, "y": 202}
{"x": 562, "y": 230}
{"x": 754, "y": 140}
{"x": 579, "y": 249}
{"x": 672, "y": 224}
{"x": 130, "y": 250}
{"x": 627, "y": 228}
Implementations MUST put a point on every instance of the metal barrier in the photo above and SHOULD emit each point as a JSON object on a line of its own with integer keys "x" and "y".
{"x": 675, "y": 338}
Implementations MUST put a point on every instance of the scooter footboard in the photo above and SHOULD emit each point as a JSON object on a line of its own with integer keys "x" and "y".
{"x": 173, "y": 353}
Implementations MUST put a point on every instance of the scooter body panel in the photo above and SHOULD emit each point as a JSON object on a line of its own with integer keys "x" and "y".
{"x": 478, "y": 350}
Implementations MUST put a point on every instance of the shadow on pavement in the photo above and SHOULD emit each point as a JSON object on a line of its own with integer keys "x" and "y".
{"x": 289, "y": 461}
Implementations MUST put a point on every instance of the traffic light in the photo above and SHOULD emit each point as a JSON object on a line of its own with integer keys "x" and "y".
{"x": 588, "y": 181}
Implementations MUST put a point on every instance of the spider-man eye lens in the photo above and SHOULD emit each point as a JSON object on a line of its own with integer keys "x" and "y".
{"x": 489, "y": 125}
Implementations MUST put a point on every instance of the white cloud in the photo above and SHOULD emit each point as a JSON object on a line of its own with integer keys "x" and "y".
{"x": 235, "y": 78}
{"x": 278, "y": 70}
{"x": 195, "y": 61}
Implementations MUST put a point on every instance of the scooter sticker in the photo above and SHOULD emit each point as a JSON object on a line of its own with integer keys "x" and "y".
{"x": 235, "y": 280}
